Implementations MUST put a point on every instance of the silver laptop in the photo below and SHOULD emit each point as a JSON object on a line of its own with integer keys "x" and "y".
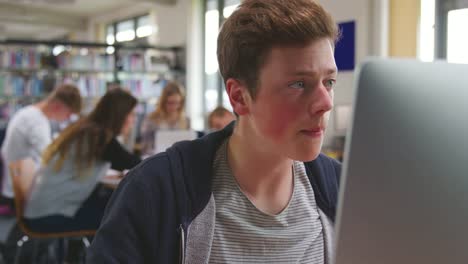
{"x": 404, "y": 188}
{"x": 164, "y": 139}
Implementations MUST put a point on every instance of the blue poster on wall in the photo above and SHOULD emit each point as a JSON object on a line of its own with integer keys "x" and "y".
{"x": 345, "y": 49}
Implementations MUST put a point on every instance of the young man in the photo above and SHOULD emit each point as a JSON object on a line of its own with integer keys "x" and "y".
{"x": 219, "y": 118}
{"x": 258, "y": 190}
{"x": 29, "y": 132}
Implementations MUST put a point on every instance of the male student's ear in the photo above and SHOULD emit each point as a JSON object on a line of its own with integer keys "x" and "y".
{"x": 238, "y": 96}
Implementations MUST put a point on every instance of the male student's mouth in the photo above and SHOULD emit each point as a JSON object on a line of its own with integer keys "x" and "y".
{"x": 313, "y": 132}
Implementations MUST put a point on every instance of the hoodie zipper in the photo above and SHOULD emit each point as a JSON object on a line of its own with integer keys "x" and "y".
{"x": 182, "y": 245}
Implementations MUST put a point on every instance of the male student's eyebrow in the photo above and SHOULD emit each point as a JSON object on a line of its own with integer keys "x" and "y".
{"x": 329, "y": 71}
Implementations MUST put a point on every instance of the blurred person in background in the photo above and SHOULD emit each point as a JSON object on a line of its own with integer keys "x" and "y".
{"x": 169, "y": 115}
{"x": 219, "y": 118}
{"x": 29, "y": 131}
{"x": 65, "y": 194}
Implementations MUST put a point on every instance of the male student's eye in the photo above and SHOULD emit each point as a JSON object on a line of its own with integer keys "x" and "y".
{"x": 298, "y": 85}
{"x": 330, "y": 83}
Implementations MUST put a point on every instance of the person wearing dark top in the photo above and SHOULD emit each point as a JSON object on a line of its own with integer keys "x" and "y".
{"x": 258, "y": 191}
{"x": 65, "y": 193}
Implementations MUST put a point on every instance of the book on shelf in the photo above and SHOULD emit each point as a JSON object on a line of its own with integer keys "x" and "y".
{"x": 141, "y": 62}
{"x": 24, "y": 58}
{"x": 144, "y": 88}
{"x": 12, "y": 85}
{"x": 87, "y": 62}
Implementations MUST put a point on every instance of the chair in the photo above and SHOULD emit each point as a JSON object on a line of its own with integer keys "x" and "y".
{"x": 22, "y": 174}
{"x": 5, "y": 209}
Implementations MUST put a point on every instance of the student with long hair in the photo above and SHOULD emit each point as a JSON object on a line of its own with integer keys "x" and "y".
{"x": 64, "y": 194}
{"x": 168, "y": 115}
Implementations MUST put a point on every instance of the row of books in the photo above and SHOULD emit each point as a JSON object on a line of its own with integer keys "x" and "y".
{"x": 130, "y": 62}
{"x": 32, "y": 59}
{"x": 20, "y": 58}
{"x": 19, "y": 86}
{"x": 139, "y": 62}
{"x": 96, "y": 62}
{"x": 89, "y": 86}
{"x": 140, "y": 88}
{"x": 144, "y": 88}
{"x": 13, "y": 85}
{"x": 8, "y": 108}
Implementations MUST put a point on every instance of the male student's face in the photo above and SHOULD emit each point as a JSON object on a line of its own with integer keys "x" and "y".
{"x": 219, "y": 122}
{"x": 61, "y": 112}
{"x": 294, "y": 99}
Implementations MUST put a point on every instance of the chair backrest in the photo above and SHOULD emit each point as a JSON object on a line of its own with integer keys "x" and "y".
{"x": 5, "y": 209}
{"x": 22, "y": 175}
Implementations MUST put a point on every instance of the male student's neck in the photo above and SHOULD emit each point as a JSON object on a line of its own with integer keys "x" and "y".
{"x": 43, "y": 106}
{"x": 266, "y": 179}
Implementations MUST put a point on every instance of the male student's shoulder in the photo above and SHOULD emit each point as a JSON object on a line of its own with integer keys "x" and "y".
{"x": 143, "y": 217}
{"x": 130, "y": 228}
{"x": 28, "y": 114}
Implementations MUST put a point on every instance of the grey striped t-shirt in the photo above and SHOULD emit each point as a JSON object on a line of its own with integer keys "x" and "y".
{"x": 243, "y": 234}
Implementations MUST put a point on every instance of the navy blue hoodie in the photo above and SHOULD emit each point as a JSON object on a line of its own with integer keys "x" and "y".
{"x": 149, "y": 215}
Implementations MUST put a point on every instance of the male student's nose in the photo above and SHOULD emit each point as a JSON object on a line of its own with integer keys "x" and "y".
{"x": 321, "y": 100}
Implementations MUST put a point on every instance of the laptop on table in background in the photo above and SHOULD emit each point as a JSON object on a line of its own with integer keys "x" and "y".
{"x": 164, "y": 139}
{"x": 404, "y": 185}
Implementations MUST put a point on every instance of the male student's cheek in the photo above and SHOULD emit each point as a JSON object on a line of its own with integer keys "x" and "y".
{"x": 283, "y": 122}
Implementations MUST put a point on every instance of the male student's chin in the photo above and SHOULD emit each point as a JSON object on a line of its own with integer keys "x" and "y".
{"x": 307, "y": 147}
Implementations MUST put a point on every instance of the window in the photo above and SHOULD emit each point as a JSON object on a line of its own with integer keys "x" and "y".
{"x": 215, "y": 93}
{"x": 229, "y": 7}
{"x": 130, "y": 29}
{"x": 144, "y": 27}
{"x": 212, "y": 79}
{"x": 110, "y": 35}
{"x": 125, "y": 31}
{"x": 426, "y": 30}
{"x": 450, "y": 30}
{"x": 457, "y": 39}
{"x": 110, "y": 39}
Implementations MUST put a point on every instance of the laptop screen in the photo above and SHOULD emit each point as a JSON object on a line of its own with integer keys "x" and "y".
{"x": 404, "y": 185}
{"x": 163, "y": 139}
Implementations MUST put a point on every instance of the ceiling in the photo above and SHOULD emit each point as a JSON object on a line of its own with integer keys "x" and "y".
{"x": 50, "y": 19}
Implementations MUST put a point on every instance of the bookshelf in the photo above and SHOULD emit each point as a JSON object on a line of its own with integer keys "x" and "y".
{"x": 29, "y": 70}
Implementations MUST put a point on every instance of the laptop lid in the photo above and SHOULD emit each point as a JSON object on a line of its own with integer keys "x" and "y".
{"x": 164, "y": 139}
{"x": 404, "y": 189}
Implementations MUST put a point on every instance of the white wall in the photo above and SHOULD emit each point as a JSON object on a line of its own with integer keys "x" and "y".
{"x": 173, "y": 23}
